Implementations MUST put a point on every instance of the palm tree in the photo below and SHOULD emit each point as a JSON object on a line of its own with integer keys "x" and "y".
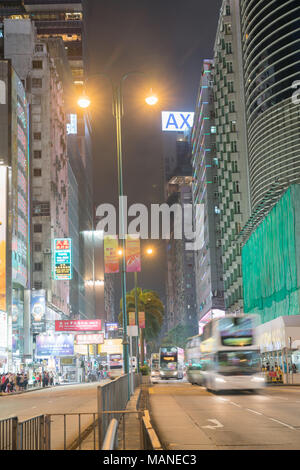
{"x": 150, "y": 303}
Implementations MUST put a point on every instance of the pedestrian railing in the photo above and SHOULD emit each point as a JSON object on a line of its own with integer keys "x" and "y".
{"x": 32, "y": 434}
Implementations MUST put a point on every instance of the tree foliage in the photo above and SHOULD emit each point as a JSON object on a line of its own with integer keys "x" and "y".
{"x": 178, "y": 335}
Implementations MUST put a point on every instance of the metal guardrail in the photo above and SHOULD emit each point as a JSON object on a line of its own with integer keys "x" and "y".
{"x": 35, "y": 433}
{"x": 110, "y": 440}
{"x": 8, "y": 433}
{"x": 32, "y": 434}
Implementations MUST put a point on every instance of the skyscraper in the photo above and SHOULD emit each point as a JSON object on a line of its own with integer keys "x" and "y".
{"x": 231, "y": 142}
{"x": 208, "y": 259}
{"x": 270, "y": 46}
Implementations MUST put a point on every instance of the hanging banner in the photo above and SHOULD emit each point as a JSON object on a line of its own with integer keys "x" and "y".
{"x": 38, "y": 310}
{"x": 131, "y": 318}
{"x": 133, "y": 253}
{"x": 3, "y": 209}
{"x": 111, "y": 258}
{"x": 142, "y": 321}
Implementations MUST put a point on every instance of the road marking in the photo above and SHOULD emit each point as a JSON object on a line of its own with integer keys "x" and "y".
{"x": 281, "y": 398}
{"x": 253, "y": 411}
{"x": 216, "y": 422}
{"x": 33, "y": 407}
{"x": 235, "y": 404}
{"x": 283, "y": 424}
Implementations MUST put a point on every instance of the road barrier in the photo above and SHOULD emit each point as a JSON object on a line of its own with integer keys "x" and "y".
{"x": 32, "y": 434}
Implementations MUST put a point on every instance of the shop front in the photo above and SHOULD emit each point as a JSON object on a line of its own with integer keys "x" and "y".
{"x": 279, "y": 342}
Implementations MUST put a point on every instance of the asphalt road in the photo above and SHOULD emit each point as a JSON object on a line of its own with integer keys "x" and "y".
{"x": 188, "y": 417}
{"x": 78, "y": 398}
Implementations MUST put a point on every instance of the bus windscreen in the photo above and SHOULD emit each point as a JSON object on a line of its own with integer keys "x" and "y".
{"x": 236, "y": 331}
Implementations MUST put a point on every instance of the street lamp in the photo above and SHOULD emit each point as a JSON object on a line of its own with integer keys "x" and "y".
{"x": 118, "y": 111}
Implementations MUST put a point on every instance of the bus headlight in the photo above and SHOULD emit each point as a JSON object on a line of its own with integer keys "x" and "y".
{"x": 258, "y": 379}
{"x": 175, "y": 373}
{"x": 220, "y": 380}
{"x": 162, "y": 373}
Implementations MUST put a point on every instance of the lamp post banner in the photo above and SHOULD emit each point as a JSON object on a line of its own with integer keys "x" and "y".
{"x": 111, "y": 259}
{"x": 131, "y": 318}
{"x": 133, "y": 253}
{"x": 142, "y": 322}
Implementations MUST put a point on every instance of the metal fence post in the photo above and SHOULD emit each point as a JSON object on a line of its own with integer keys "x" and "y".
{"x": 99, "y": 409}
{"x": 41, "y": 440}
{"x": 14, "y": 434}
{"x": 47, "y": 433}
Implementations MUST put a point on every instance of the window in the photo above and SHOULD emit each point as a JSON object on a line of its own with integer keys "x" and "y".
{"x": 37, "y": 83}
{"x": 37, "y": 154}
{"x": 39, "y": 48}
{"x": 227, "y": 10}
{"x": 37, "y": 172}
{"x": 38, "y": 247}
{"x": 213, "y": 130}
{"x": 37, "y": 228}
{"x": 37, "y": 64}
{"x": 38, "y": 266}
{"x": 38, "y": 285}
{"x": 37, "y": 136}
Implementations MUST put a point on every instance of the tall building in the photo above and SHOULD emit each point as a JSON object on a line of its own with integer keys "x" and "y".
{"x": 231, "y": 142}
{"x": 208, "y": 258}
{"x": 14, "y": 217}
{"x": 270, "y": 46}
{"x": 61, "y": 18}
{"x": 180, "y": 281}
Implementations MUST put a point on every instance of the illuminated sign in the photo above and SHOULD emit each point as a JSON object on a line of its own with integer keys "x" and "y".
{"x": 72, "y": 125}
{"x": 54, "y": 345}
{"x": 3, "y": 330}
{"x": 38, "y": 310}
{"x": 77, "y": 325}
{"x": 62, "y": 259}
{"x": 90, "y": 339}
{"x": 177, "y": 121}
{"x": 3, "y": 209}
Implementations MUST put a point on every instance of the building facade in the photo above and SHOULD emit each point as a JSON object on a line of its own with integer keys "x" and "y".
{"x": 270, "y": 46}
{"x": 208, "y": 258}
{"x": 231, "y": 152}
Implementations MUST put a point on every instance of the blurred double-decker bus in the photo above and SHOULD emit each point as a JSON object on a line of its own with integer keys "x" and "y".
{"x": 226, "y": 356}
{"x": 171, "y": 362}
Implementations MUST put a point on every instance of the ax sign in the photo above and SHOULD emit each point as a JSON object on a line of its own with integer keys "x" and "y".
{"x": 177, "y": 121}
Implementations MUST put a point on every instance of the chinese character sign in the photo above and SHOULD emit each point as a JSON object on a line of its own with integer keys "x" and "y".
{"x": 77, "y": 325}
{"x": 62, "y": 259}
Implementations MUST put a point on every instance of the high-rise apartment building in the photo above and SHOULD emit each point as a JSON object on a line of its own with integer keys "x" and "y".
{"x": 180, "y": 282}
{"x": 270, "y": 45}
{"x": 208, "y": 258}
{"x": 231, "y": 142}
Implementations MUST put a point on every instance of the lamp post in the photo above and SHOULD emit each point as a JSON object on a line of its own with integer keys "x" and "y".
{"x": 118, "y": 111}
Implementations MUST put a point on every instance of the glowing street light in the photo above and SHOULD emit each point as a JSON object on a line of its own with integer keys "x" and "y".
{"x": 152, "y": 99}
{"x": 84, "y": 102}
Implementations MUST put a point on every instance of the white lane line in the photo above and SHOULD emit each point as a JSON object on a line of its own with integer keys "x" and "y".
{"x": 280, "y": 398}
{"x": 235, "y": 404}
{"x": 33, "y": 407}
{"x": 253, "y": 411}
{"x": 223, "y": 399}
{"x": 283, "y": 424}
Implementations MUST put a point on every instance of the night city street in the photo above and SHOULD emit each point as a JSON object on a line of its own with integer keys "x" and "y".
{"x": 149, "y": 230}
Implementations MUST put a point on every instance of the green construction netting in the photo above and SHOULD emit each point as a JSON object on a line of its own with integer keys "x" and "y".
{"x": 271, "y": 261}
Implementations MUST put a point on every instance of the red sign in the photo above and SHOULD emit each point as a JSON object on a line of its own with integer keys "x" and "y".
{"x": 63, "y": 244}
{"x": 78, "y": 325}
{"x": 133, "y": 253}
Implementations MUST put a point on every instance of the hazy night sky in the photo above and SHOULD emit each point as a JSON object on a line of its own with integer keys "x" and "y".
{"x": 168, "y": 40}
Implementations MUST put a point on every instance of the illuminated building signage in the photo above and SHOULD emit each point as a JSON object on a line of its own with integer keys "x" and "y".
{"x": 72, "y": 125}
{"x": 3, "y": 209}
{"x": 90, "y": 339}
{"x": 77, "y": 325}
{"x": 177, "y": 121}
{"x": 62, "y": 259}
